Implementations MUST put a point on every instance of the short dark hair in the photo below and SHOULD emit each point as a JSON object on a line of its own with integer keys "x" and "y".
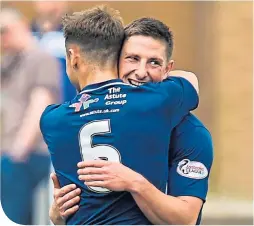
{"x": 151, "y": 27}
{"x": 98, "y": 31}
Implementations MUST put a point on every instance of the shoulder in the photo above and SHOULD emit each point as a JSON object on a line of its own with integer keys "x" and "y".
{"x": 52, "y": 116}
{"x": 50, "y": 111}
{"x": 191, "y": 137}
{"x": 177, "y": 89}
{"x": 191, "y": 125}
{"x": 164, "y": 90}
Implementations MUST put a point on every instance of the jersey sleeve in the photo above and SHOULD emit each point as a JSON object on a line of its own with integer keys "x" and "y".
{"x": 191, "y": 157}
{"x": 47, "y": 122}
{"x": 181, "y": 93}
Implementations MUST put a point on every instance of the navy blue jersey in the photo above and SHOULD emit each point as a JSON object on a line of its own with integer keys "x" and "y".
{"x": 190, "y": 158}
{"x": 118, "y": 122}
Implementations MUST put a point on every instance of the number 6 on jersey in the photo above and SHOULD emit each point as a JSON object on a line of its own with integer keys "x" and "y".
{"x": 89, "y": 151}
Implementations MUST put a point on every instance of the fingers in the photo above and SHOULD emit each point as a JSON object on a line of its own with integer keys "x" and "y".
{"x": 70, "y": 195}
{"x": 60, "y": 192}
{"x": 94, "y": 177}
{"x": 55, "y": 180}
{"x": 69, "y": 204}
{"x": 67, "y": 199}
{"x": 90, "y": 170}
{"x": 93, "y": 163}
{"x": 69, "y": 211}
{"x": 96, "y": 184}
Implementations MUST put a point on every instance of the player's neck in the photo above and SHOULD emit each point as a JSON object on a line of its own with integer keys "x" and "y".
{"x": 97, "y": 76}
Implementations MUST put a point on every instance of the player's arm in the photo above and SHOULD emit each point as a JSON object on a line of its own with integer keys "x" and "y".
{"x": 189, "y": 76}
{"x": 65, "y": 202}
{"x": 187, "y": 191}
{"x": 180, "y": 90}
{"x": 158, "y": 207}
{"x": 41, "y": 95}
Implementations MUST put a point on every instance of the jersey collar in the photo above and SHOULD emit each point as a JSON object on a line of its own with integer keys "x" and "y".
{"x": 97, "y": 85}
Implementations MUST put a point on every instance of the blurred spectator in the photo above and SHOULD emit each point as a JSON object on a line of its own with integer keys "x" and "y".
{"x": 29, "y": 84}
{"x": 48, "y": 16}
{"x": 47, "y": 27}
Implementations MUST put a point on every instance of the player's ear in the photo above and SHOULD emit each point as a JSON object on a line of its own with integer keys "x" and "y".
{"x": 169, "y": 68}
{"x": 73, "y": 56}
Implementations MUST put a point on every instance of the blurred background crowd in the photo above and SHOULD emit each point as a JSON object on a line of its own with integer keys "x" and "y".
{"x": 212, "y": 39}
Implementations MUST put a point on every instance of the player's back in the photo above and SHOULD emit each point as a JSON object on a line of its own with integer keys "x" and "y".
{"x": 115, "y": 122}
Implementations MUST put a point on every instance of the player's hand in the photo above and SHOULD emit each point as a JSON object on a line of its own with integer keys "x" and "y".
{"x": 111, "y": 175}
{"x": 65, "y": 200}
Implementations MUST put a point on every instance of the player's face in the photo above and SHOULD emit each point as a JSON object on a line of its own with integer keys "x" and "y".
{"x": 143, "y": 59}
